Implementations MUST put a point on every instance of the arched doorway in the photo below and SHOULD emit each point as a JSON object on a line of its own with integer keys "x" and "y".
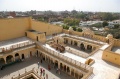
{"x": 37, "y": 53}
{"x": 37, "y": 38}
{"x": 45, "y": 33}
{"x": 72, "y": 72}
{"x": 75, "y": 43}
{"x": 57, "y": 41}
{"x": 66, "y": 41}
{"x": 65, "y": 68}
{"x": 9, "y": 59}
{"x": 56, "y": 64}
{"x": 25, "y": 33}
{"x": 30, "y": 53}
{"x": 68, "y": 69}
{"x": 2, "y": 61}
{"x": 89, "y": 48}
{"x": 23, "y": 57}
{"x": 71, "y": 42}
{"x": 17, "y": 57}
{"x": 82, "y": 47}
{"x": 61, "y": 66}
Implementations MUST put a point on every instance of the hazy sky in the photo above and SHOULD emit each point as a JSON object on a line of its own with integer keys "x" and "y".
{"x": 59, "y": 5}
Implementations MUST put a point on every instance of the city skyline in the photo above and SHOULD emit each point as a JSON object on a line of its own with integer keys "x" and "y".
{"x": 60, "y": 5}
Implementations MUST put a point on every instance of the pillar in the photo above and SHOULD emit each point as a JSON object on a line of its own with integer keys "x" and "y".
{"x": 5, "y": 60}
{"x": 74, "y": 73}
{"x": 78, "y": 44}
{"x": 20, "y": 56}
{"x": 85, "y": 46}
{"x": 13, "y": 58}
{"x": 58, "y": 65}
{"x": 70, "y": 71}
{"x": 66, "y": 68}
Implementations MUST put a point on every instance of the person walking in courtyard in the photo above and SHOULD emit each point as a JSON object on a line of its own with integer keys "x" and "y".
{"x": 38, "y": 64}
{"x": 46, "y": 76}
{"x": 57, "y": 70}
{"x": 41, "y": 71}
{"x": 49, "y": 67}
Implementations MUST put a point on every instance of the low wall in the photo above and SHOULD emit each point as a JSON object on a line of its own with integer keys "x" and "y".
{"x": 46, "y": 27}
{"x": 65, "y": 31}
{"x": 111, "y": 57}
{"x": 95, "y": 37}
{"x": 117, "y": 42}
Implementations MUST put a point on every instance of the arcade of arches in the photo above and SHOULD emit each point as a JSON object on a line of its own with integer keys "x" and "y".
{"x": 82, "y": 45}
{"x": 61, "y": 65}
{"x": 11, "y": 57}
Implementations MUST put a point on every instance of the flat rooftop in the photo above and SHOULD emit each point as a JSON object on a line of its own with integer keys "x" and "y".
{"x": 8, "y": 43}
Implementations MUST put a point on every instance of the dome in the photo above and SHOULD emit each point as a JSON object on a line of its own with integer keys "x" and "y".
{"x": 109, "y": 36}
{"x": 70, "y": 29}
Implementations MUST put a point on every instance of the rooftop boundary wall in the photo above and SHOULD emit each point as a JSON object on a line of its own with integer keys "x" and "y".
{"x": 45, "y": 27}
{"x": 95, "y": 37}
{"x": 13, "y": 27}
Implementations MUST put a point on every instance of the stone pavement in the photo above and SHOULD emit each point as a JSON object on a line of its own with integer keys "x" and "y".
{"x": 27, "y": 65}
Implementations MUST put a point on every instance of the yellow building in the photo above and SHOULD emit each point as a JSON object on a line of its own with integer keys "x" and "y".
{"x": 21, "y": 38}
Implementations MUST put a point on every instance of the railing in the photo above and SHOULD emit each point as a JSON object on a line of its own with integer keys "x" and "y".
{"x": 27, "y": 73}
{"x": 69, "y": 60}
{"x": 82, "y": 54}
{"x": 13, "y": 47}
{"x": 88, "y": 70}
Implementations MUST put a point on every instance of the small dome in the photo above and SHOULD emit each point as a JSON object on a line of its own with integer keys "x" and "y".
{"x": 109, "y": 36}
{"x": 70, "y": 29}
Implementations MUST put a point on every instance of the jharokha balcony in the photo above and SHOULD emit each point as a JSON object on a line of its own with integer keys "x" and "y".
{"x": 15, "y": 44}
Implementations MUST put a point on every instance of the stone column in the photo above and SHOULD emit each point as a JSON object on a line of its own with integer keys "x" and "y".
{"x": 13, "y": 58}
{"x": 74, "y": 73}
{"x": 5, "y": 60}
{"x": 70, "y": 71}
{"x": 20, "y": 56}
{"x": 85, "y": 45}
{"x": 66, "y": 68}
{"x": 78, "y": 44}
{"x": 58, "y": 65}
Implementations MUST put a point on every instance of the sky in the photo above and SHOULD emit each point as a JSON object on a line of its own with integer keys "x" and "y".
{"x": 61, "y": 5}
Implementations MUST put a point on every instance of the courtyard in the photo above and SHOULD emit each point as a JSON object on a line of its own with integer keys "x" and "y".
{"x": 28, "y": 64}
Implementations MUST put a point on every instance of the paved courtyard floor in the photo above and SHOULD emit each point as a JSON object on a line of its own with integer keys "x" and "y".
{"x": 28, "y": 64}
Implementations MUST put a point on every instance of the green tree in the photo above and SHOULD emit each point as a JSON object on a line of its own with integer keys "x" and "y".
{"x": 115, "y": 33}
{"x": 71, "y": 22}
{"x": 105, "y": 23}
{"x": 97, "y": 25}
{"x": 107, "y": 16}
{"x": 74, "y": 28}
{"x": 81, "y": 16}
{"x": 116, "y": 26}
{"x": 79, "y": 30}
{"x": 65, "y": 27}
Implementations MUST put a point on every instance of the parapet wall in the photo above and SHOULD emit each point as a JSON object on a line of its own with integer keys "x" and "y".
{"x": 111, "y": 57}
{"x": 45, "y": 27}
{"x": 95, "y": 37}
{"x": 13, "y": 28}
{"x": 116, "y": 42}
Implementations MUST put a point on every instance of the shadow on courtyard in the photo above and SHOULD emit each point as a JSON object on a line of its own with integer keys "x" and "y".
{"x": 17, "y": 66}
